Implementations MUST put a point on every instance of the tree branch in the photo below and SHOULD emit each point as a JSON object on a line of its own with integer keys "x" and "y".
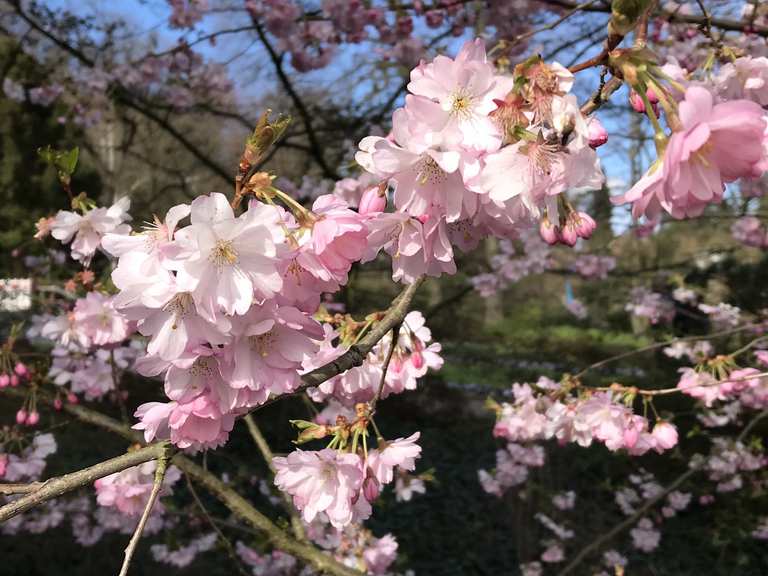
{"x": 162, "y": 466}
{"x": 315, "y": 148}
{"x": 226, "y": 495}
{"x": 356, "y": 354}
{"x": 55, "y": 487}
{"x": 266, "y": 452}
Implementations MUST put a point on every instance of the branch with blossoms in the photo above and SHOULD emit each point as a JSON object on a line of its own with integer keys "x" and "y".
{"x": 228, "y": 300}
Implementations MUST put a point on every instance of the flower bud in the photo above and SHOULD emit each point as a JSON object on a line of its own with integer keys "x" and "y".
{"x": 371, "y": 487}
{"x": 547, "y": 231}
{"x": 21, "y": 369}
{"x": 598, "y": 135}
{"x": 636, "y": 102}
{"x": 568, "y": 235}
{"x": 14, "y": 380}
{"x": 651, "y": 95}
{"x": 583, "y": 224}
{"x": 5, "y": 380}
{"x": 372, "y": 201}
{"x": 665, "y": 435}
{"x": 21, "y": 416}
{"x": 71, "y": 398}
{"x": 33, "y": 418}
{"x": 57, "y": 404}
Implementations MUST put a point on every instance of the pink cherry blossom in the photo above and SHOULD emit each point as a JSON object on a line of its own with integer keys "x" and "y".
{"x": 324, "y": 481}
{"x": 128, "y": 490}
{"x": 101, "y": 324}
{"x": 269, "y": 345}
{"x": 718, "y": 143}
{"x": 224, "y": 261}
{"x": 85, "y": 231}
{"x": 457, "y": 95}
{"x": 402, "y": 453}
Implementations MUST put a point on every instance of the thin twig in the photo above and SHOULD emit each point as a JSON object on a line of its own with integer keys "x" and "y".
{"x": 385, "y": 368}
{"x": 266, "y": 453}
{"x": 157, "y": 485}
{"x": 664, "y": 344}
{"x": 596, "y": 544}
{"x": 215, "y": 526}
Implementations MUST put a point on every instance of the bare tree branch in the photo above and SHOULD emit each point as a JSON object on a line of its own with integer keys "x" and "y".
{"x": 55, "y": 487}
{"x": 162, "y": 466}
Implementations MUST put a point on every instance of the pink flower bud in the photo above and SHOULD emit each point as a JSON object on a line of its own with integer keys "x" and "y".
{"x": 665, "y": 435}
{"x": 14, "y": 380}
{"x": 568, "y": 235}
{"x": 583, "y": 224}
{"x": 372, "y": 201}
{"x": 598, "y": 135}
{"x": 72, "y": 399}
{"x": 21, "y": 416}
{"x": 57, "y": 404}
{"x": 651, "y": 95}
{"x": 371, "y": 487}
{"x": 547, "y": 231}
{"x": 33, "y": 418}
{"x": 5, "y": 380}
{"x": 21, "y": 369}
{"x": 636, "y": 102}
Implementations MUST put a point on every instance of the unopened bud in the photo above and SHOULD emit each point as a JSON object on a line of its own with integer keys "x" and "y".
{"x": 625, "y": 15}
{"x": 33, "y": 418}
{"x": 14, "y": 380}
{"x": 21, "y": 369}
{"x": 72, "y": 399}
{"x": 5, "y": 380}
{"x": 548, "y": 231}
{"x": 371, "y": 487}
{"x": 57, "y": 404}
{"x": 373, "y": 201}
{"x": 21, "y": 416}
{"x": 598, "y": 135}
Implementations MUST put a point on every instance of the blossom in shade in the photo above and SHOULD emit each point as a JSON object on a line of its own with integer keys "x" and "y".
{"x": 323, "y": 481}
{"x": 269, "y": 345}
{"x": 85, "y": 231}
{"x": 98, "y": 320}
{"x": 128, "y": 490}
{"x": 401, "y": 453}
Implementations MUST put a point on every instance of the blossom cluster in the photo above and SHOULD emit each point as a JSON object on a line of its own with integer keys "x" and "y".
{"x": 340, "y": 484}
{"x": 542, "y": 411}
{"x": 719, "y": 135}
{"x": 129, "y": 489}
{"x": 463, "y": 131}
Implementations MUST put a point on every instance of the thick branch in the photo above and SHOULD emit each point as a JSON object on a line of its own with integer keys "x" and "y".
{"x": 61, "y": 485}
{"x": 226, "y": 495}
